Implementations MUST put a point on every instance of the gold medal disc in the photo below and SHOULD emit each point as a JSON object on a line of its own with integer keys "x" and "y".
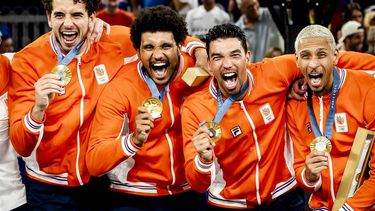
{"x": 215, "y": 129}
{"x": 154, "y": 106}
{"x": 321, "y": 144}
{"x": 64, "y": 73}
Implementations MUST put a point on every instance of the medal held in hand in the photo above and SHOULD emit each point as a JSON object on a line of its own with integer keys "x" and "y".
{"x": 321, "y": 144}
{"x": 215, "y": 130}
{"x": 154, "y": 107}
{"x": 64, "y": 73}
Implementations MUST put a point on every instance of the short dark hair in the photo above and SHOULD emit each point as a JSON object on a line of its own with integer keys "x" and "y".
{"x": 91, "y": 5}
{"x": 225, "y": 31}
{"x": 158, "y": 19}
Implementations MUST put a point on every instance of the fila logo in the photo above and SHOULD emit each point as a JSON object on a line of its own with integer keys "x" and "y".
{"x": 236, "y": 131}
{"x": 308, "y": 126}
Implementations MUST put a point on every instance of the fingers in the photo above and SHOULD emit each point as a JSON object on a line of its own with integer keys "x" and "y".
{"x": 143, "y": 124}
{"x": 203, "y": 143}
{"x": 298, "y": 90}
{"x": 95, "y": 30}
{"x": 49, "y": 83}
{"x": 315, "y": 163}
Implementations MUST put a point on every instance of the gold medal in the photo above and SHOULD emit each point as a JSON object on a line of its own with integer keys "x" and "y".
{"x": 215, "y": 129}
{"x": 64, "y": 73}
{"x": 321, "y": 144}
{"x": 154, "y": 107}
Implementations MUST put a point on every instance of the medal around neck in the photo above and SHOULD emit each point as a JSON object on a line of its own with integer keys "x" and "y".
{"x": 64, "y": 73}
{"x": 321, "y": 144}
{"x": 215, "y": 129}
{"x": 154, "y": 107}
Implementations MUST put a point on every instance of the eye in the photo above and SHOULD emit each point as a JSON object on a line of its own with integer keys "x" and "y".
{"x": 58, "y": 15}
{"x": 166, "y": 46}
{"x": 322, "y": 54}
{"x": 148, "y": 47}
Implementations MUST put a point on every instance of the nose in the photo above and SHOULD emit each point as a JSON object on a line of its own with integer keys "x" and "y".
{"x": 227, "y": 63}
{"x": 157, "y": 54}
{"x": 68, "y": 21}
{"x": 313, "y": 63}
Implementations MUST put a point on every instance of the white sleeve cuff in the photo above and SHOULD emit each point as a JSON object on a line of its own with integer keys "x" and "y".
{"x": 346, "y": 207}
{"x": 203, "y": 167}
{"x": 31, "y": 125}
{"x": 191, "y": 46}
{"x": 316, "y": 185}
{"x": 127, "y": 146}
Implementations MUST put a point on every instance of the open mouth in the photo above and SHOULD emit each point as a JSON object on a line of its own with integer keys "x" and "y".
{"x": 315, "y": 79}
{"x": 160, "y": 69}
{"x": 230, "y": 80}
{"x": 69, "y": 37}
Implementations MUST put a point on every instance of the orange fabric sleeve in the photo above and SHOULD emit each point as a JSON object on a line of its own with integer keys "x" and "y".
{"x": 199, "y": 180}
{"x": 21, "y": 100}
{"x": 356, "y": 61}
{"x": 4, "y": 74}
{"x": 300, "y": 150}
{"x": 105, "y": 150}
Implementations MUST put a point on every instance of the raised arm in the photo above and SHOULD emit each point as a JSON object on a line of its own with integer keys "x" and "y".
{"x": 199, "y": 172}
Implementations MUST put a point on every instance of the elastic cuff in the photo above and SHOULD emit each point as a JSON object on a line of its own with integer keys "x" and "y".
{"x": 31, "y": 124}
{"x": 346, "y": 207}
{"x": 191, "y": 46}
{"x": 201, "y": 165}
{"x": 128, "y": 145}
{"x": 316, "y": 184}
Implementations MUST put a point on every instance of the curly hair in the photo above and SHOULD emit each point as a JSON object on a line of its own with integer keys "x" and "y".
{"x": 91, "y": 5}
{"x": 158, "y": 19}
{"x": 225, "y": 31}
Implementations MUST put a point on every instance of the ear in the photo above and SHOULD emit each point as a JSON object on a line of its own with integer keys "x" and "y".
{"x": 295, "y": 54}
{"x": 49, "y": 19}
{"x": 248, "y": 57}
{"x": 179, "y": 46}
{"x": 336, "y": 57}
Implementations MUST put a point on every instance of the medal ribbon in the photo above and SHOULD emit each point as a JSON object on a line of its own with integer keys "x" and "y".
{"x": 332, "y": 108}
{"x": 70, "y": 56}
{"x": 154, "y": 89}
{"x": 224, "y": 106}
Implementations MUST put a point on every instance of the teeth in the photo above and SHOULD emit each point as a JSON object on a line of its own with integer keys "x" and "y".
{"x": 68, "y": 33}
{"x": 159, "y": 64}
{"x": 229, "y": 74}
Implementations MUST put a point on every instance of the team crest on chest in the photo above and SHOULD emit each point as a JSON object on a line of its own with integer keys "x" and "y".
{"x": 236, "y": 131}
{"x": 341, "y": 123}
{"x": 267, "y": 113}
{"x": 101, "y": 74}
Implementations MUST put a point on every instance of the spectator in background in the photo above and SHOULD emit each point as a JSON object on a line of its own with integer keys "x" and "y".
{"x": 260, "y": 29}
{"x": 273, "y": 52}
{"x": 6, "y": 46}
{"x": 136, "y": 4}
{"x": 184, "y": 6}
{"x": 113, "y": 15}
{"x": 352, "y": 12}
{"x": 204, "y": 17}
{"x": 369, "y": 24}
{"x": 352, "y": 37}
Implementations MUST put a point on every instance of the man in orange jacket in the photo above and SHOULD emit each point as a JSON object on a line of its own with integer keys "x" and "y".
{"x": 339, "y": 101}
{"x": 234, "y": 133}
{"x": 139, "y": 148}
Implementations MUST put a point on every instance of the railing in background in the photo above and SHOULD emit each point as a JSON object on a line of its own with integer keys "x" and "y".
{"x": 25, "y": 28}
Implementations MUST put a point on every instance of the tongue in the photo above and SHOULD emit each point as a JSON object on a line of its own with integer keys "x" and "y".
{"x": 69, "y": 38}
{"x": 230, "y": 83}
{"x": 160, "y": 73}
{"x": 315, "y": 81}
